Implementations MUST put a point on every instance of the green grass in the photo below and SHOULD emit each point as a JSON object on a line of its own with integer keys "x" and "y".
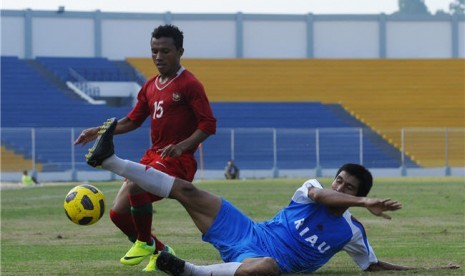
{"x": 38, "y": 239}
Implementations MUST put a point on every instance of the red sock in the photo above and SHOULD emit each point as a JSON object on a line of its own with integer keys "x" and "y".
{"x": 125, "y": 223}
{"x": 159, "y": 246}
{"x": 141, "y": 209}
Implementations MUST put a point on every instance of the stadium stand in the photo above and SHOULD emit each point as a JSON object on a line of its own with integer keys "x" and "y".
{"x": 296, "y": 144}
{"x": 28, "y": 100}
{"x": 386, "y": 95}
{"x": 373, "y": 95}
{"x": 92, "y": 69}
{"x": 15, "y": 162}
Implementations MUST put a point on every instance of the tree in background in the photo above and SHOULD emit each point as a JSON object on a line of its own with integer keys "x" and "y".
{"x": 412, "y": 7}
{"x": 457, "y": 7}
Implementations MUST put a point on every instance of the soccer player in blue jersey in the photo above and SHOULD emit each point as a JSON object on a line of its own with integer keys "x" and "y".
{"x": 301, "y": 238}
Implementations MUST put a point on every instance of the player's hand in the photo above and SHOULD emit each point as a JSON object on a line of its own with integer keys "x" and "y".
{"x": 378, "y": 206}
{"x": 87, "y": 136}
{"x": 448, "y": 266}
{"x": 170, "y": 151}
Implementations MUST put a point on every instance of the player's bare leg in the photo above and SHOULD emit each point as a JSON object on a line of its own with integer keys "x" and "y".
{"x": 121, "y": 202}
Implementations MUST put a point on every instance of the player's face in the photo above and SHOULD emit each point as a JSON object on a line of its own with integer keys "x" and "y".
{"x": 165, "y": 56}
{"x": 346, "y": 183}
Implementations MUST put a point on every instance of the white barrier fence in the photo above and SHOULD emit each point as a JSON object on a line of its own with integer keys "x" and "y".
{"x": 260, "y": 153}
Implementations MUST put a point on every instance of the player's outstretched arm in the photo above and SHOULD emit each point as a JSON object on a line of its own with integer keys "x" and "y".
{"x": 381, "y": 266}
{"x": 336, "y": 199}
{"x": 332, "y": 198}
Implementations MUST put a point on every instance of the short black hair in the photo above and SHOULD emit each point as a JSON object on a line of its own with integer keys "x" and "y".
{"x": 169, "y": 30}
{"x": 362, "y": 174}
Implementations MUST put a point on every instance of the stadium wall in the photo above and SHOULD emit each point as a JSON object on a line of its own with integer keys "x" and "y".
{"x": 29, "y": 33}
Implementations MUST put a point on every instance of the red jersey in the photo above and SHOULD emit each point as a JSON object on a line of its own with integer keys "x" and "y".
{"x": 177, "y": 108}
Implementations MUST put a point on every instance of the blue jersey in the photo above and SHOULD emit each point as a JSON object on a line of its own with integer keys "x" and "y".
{"x": 301, "y": 238}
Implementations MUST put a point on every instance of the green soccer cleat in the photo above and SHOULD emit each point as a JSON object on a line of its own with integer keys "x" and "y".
{"x": 103, "y": 146}
{"x": 170, "y": 264}
{"x": 137, "y": 253}
{"x": 151, "y": 266}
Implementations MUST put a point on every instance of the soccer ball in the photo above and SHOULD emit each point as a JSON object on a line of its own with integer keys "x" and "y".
{"x": 84, "y": 204}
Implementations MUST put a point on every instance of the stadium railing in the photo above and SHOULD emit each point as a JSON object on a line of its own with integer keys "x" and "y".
{"x": 263, "y": 152}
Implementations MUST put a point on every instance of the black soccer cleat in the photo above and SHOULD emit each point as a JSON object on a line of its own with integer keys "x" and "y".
{"x": 103, "y": 146}
{"x": 170, "y": 264}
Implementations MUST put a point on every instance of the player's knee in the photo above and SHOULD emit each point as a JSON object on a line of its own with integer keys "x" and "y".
{"x": 133, "y": 188}
{"x": 270, "y": 267}
{"x": 264, "y": 266}
{"x": 182, "y": 187}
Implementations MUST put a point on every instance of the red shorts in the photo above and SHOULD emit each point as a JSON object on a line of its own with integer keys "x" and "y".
{"x": 184, "y": 166}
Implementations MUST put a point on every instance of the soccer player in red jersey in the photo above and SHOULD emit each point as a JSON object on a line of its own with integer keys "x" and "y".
{"x": 181, "y": 118}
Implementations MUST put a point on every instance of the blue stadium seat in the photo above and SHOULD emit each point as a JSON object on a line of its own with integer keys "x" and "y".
{"x": 91, "y": 69}
{"x": 30, "y": 101}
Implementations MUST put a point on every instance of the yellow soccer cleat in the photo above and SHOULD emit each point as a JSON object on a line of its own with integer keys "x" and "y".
{"x": 137, "y": 253}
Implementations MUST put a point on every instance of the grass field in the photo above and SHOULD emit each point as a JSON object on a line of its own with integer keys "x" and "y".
{"x": 38, "y": 239}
